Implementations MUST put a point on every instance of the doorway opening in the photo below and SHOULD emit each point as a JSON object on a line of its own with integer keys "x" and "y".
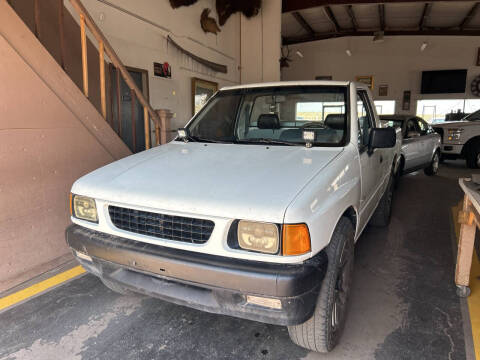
{"x": 437, "y": 110}
{"x": 127, "y": 111}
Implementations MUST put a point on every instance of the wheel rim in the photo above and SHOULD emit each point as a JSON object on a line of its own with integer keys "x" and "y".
{"x": 436, "y": 160}
{"x": 478, "y": 159}
{"x": 342, "y": 286}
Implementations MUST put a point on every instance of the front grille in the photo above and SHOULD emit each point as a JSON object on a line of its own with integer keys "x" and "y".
{"x": 179, "y": 228}
{"x": 439, "y": 130}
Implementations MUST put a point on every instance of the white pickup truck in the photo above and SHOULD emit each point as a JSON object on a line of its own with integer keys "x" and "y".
{"x": 461, "y": 139}
{"x": 253, "y": 211}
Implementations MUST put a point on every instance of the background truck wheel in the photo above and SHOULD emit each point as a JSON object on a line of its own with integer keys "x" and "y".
{"x": 323, "y": 330}
{"x": 381, "y": 216}
{"x": 473, "y": 155}
{"x": 432, "y": 169}
{"x": 115, "y": 287}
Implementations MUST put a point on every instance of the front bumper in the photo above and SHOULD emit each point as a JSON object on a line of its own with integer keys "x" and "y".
{"x": 205, "y": 282}
{"x": 453, "y": 149}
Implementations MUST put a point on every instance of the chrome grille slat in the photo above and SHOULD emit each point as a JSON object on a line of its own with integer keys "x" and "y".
{"x": 178, "y": 228}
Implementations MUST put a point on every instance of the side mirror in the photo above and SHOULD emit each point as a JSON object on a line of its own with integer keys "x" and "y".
{"x": 412, "y": 134}
{"x": 382, "y": 138}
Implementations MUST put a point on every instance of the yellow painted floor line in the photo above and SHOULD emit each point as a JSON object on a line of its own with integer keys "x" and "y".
{"x": 39, "y": 287}
{"x": 474, "y": 298}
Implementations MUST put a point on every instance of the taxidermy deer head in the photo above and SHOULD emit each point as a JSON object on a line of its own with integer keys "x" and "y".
{"x": 208, "y": 24}
{"x": 177, "y": 3}
{"x": 225, "y": 8}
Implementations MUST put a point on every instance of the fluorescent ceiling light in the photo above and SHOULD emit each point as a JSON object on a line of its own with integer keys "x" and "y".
{"x": 300, "y": 55}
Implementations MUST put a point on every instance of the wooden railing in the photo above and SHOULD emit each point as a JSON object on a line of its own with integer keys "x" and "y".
{"x": 104, "y": 46}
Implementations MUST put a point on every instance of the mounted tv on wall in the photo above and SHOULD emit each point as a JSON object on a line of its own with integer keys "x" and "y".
{"x": 444, "y": 81}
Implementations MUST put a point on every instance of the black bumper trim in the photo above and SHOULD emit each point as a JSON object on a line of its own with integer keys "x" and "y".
{"x": 206, "y": 282}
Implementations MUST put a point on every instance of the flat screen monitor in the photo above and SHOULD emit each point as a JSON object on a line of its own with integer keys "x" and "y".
{"x": 444, "y": 81}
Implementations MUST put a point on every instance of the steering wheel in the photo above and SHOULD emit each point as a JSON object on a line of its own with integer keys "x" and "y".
{"x": 313, "y": 124}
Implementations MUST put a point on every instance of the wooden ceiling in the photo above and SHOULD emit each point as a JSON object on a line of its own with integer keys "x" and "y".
{"x": 310, "y": 20}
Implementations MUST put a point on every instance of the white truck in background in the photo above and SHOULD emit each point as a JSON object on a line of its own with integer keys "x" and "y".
{"x": 253, "y": 211}
{"x": 461, "y": 139}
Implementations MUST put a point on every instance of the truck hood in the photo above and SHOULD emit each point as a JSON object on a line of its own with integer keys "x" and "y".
{"x": 450, "y": 124}
{"x": 223, "y": 180}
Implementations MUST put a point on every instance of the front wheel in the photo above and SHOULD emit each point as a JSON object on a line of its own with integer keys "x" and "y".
{"x": 323, "y": 330}
{"x": 432, "y": 169}
{"x": 473, "y": 155}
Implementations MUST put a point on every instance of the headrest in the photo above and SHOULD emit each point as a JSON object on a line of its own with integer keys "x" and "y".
{"x": 335, "y": 121}
{"x": 268, "y": 121}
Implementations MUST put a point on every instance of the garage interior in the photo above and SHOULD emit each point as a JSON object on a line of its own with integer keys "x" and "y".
{"x": 63, "y": 116}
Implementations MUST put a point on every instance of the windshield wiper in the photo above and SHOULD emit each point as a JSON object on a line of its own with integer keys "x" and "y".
{"x": 194, "y": 138}
{"x": 266, "y": 141}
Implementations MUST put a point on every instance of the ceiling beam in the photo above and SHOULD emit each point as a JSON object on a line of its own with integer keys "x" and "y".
{"x": 426, "y": 11}
{"x": 296, "y": 5}
{"x": 353, "y": 19}
{"x": 303, "y": 23}
{"x": 324, "y": 36}
{"x": 381, "y": 15}
{"x": 331, "y": 17}
{"x": 466, "y": 20}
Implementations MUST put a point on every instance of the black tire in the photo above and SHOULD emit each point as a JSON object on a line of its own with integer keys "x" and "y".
{"x": 432, "y": 169}
{"x": 473, "y": 155}
{"x": 323, "y": 330}
{"x": 115, "y": 287}
{"x": 381, "y": 216}
{"x": 399, "y": 172}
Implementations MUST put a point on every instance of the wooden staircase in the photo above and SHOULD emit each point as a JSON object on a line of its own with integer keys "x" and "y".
{"x": 56, "y": 29}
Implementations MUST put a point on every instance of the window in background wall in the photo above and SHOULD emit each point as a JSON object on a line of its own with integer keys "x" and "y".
{"x": 385, "y": 107}
{"x": 434, "y": 111}
{"x": 317, "y": 111}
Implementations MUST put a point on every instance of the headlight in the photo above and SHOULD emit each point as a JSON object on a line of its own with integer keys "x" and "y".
{"x": 84, "y": 208}
{"x": 257, "y": 236}
{"x": 454, "y": 134}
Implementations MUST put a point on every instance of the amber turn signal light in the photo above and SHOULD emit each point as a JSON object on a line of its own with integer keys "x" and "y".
{"x": 70, "y": 203}
{"x": 296, "y": 239}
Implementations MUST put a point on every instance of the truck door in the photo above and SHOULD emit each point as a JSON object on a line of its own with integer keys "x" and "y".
{"x": 412, "y": 145}
{"x": 428, "y": 141}
{"x": 370, "y": 161}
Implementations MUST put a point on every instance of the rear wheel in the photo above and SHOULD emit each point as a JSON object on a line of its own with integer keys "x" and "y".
{"x": 473, "y": 155}
{"x": 323, "y": 330}
{"x": 432, "y": 169}
{"x": 399, "y": 172}
{"x": 381, "y": 216}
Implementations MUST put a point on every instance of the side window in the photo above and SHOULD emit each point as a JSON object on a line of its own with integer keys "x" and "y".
{"x": 411, "y": 128}
{"x": 422, "y": 126}
{"x": 365, "y": 118}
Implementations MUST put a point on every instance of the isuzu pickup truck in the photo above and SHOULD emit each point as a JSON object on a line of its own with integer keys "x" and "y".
{"x": 252, "y": 211}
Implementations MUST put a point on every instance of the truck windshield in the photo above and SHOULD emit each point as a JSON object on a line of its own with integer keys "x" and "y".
{"x": 473, "y": 116}
{"x": 275, "y": 115}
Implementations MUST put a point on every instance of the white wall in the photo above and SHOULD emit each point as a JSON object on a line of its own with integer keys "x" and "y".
{"x": 397, "y": 62}
{"x": 261, "y": 44}
{"x": 139, "y": 44}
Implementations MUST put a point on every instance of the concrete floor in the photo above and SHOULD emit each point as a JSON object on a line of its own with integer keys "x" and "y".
{"x": 403, "y": 304}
